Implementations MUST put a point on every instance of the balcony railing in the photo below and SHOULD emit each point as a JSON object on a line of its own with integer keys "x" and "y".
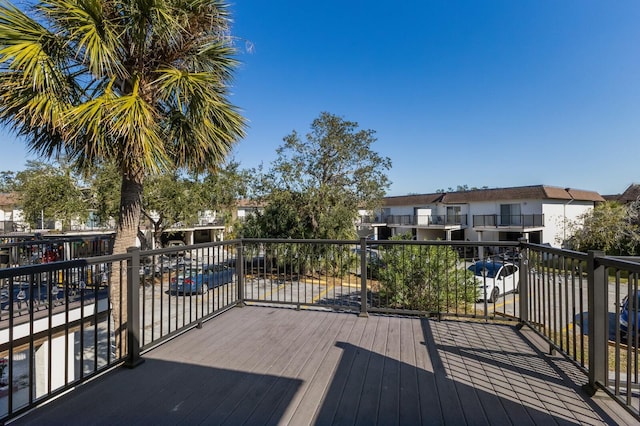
{"x": 426, "y": 220}
{"x": 369, "y": 219}
{"x": 58, "y": 326}
{"x": 512, "y": 221}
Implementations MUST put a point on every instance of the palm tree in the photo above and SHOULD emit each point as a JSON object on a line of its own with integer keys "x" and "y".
{"x": 140, "y": 83}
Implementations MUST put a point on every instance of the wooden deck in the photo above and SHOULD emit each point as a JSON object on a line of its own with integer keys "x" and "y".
{"x": 263, "y": 365}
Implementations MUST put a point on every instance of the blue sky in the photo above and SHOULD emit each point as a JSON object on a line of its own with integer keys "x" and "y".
{"x": 479, "y": 93}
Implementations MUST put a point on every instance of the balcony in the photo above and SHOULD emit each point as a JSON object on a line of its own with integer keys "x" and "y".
{"x": 369, "y": 220}
{"x": 427, "y": 221}
{"x": 292, "y": 339}
{"x": 516, "y": 222}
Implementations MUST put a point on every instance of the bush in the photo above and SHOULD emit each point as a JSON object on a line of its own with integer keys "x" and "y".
{"x": 429, "y": 278}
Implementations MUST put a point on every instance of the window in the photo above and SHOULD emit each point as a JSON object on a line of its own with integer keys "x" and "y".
{"x": 510, "y": 214}
{"x": 453, "y": 214}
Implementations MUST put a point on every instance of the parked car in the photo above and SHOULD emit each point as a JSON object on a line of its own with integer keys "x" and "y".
{"x": 629, "y": 309}
{"x": 495, "y": 279}
{"x": 192, "y": 280}
{"x": 158, "y": 265}
{"x": 174, "y": 244}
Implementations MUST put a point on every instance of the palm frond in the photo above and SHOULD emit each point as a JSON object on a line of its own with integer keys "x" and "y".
{"x": 89, "y": 32}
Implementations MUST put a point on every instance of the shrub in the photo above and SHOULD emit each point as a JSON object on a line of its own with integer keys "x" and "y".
{"x": 429, "y": 278}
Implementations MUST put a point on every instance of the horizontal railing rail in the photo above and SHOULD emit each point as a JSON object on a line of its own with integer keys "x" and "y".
{"x": 60, "y": 321}
{"x": 512, "y": 221}
{"x": 426, "y": 220}
{"x": 406, "y": 219}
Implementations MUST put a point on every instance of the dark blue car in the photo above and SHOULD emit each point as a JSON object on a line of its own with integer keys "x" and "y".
{"x": 192, "y": 280}
{"x": 629, "y": 315}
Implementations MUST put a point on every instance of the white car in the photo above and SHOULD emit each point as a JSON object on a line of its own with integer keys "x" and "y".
{"x": 495, "y": 279}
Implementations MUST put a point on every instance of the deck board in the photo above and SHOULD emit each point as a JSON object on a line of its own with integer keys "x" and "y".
{"x": 371, "y": 386}
{"x": 265, "y": 365}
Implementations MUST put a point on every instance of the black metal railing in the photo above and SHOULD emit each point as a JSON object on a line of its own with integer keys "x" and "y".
{"x": 426, "y": 220}
{"x": 62, "y": 323}
{"x": 513, "y": 221}
{"x": 369, "y": 219}
{"x": 586, "y": 306}
{"x": 181, "y": 288}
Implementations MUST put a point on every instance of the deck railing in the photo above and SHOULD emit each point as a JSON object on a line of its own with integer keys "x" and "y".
{"x": 57, "y": 326}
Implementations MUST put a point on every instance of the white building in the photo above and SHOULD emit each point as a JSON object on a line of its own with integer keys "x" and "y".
{"x": 541, "y": 213}
{"x": 11, "y": 218}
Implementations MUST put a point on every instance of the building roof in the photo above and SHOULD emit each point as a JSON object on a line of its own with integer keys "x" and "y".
{"x": 631, "y": 194}
{"x": 582, "y": 195}
{"x": 414, "y": 200}
{"x": 613, "y": 197}
{"x": 8, "y": 199}
{"x": 536, "y": 192}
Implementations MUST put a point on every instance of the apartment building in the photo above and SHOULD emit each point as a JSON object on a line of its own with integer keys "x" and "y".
{"x": 541, "y": 213}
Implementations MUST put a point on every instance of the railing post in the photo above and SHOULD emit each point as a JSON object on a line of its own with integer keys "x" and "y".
{"x": 240, "y": 272}
{"x": 523, "y": 286}
{"x": 133, "y": 309}
{"x": 598, "y": 322}
{"x": 363, "y": 278}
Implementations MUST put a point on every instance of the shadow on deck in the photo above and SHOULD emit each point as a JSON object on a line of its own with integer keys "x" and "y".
{"x": 263, "y": 365}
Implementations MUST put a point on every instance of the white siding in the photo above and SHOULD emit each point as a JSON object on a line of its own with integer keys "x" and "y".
{"x": 558, "y": 216}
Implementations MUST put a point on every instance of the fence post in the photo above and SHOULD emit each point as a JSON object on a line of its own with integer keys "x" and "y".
{"x": 598, "y": 322}
{"x": 240, "y": 273}
{"x": 523, "y": 286}
{"x": 363, "y": 278}
{"x": 133, "y": 309}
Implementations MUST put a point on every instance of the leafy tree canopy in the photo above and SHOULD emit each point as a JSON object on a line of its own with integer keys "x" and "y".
{"x": 49, "y": 192}
{"x": 460, "y": 188}
{"x": 7, "y": 181}
{"x": 316, "y": 186}
{"x": 611, "y": 227}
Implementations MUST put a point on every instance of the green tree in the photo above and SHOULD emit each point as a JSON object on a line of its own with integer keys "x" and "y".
{"x": 424, "y": 277}
{"x": 220, "y": 192}
{"x": 317, "y": 185}
{"x": 167, "y": 199}
{"x": 610, "y": 226}
{"x": 460, "y": 188}
{"x": 7, "y": 181}
{"x": 172, "y": 197}
{"x": 51, "y": 193}
{"x": 142, "y": 84}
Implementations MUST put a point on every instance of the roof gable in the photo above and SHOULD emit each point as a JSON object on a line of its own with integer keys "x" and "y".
{"x": 631, "y": 194}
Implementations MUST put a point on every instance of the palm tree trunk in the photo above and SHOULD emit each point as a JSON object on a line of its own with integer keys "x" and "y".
{"x": 127, "y": 231}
